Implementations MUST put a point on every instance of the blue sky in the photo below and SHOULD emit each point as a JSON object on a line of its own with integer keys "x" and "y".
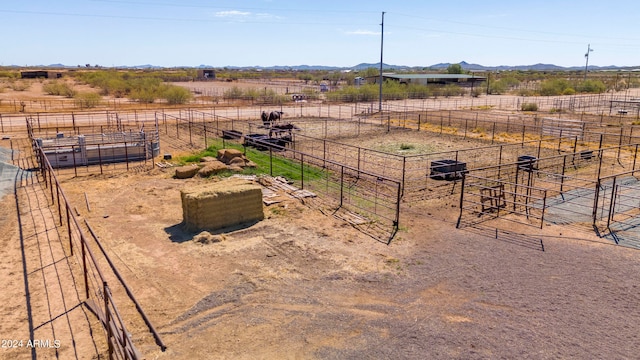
{"x": 333, "y": 33}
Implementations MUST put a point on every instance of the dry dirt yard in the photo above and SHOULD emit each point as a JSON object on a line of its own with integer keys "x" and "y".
{"x": 302, "y": 284}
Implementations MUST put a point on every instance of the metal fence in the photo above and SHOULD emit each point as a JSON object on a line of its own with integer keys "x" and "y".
{"x": 97, "y": 288}
{"x": 598, "y": 189}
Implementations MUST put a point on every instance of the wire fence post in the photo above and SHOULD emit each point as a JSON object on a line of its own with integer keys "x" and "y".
{"x": 270, "y": 161}
{"x": 341, "y": 184}
{"x": 302, "y": 171}
{"x": 107, "y": 314}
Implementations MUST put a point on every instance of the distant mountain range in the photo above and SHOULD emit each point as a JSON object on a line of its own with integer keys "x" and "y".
{"x": 436, "y": 67}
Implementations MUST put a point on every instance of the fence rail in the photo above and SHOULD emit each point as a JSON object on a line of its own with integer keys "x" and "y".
{"x": 96, "y": 287}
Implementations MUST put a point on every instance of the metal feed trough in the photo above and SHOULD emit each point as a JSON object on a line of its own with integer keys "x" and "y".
{"x": 447, "y": 169}
{"x": 527, "y": 163}
{"x": 264, "y": 142}
{"x": 231, "y": 134}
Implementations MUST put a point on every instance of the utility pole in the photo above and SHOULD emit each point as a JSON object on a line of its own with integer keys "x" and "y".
{"x": 586, "y": 66}
{"x": 381, "y": 52}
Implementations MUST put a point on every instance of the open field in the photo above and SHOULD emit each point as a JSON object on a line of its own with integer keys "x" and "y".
{"x": 305, "y": 284}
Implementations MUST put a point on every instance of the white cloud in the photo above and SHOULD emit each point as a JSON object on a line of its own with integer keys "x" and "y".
{"x": 242, "y": 16}
{"x": 232, "y": 13}
{"x": 363, "y": 32}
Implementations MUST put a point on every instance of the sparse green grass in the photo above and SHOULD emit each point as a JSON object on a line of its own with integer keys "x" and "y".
{"x": 290, "y": 169}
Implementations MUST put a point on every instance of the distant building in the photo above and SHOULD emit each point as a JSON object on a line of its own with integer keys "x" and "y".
{"x": 359, "y": 81}
{"x": 424, "y": 79}
{"x": 206, "y": 74}
{"x": 44, "y": 74}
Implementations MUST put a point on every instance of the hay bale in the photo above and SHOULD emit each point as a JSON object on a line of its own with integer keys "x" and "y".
{"x": 226, "y": 155}
{"x": 221, "y": 204}
{"x": 211, "y": 168}
{"x": 206, "y": 237}
{"x": 208, "y": 159}
{"x": 235, "y": 168}
{"x": 185, "y": 172}
{"x": 238, "y": 161}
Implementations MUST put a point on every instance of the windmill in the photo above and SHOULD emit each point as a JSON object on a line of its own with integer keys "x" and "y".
{"x": 586, "y": 66}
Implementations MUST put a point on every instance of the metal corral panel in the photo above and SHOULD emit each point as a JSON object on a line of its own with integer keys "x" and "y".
{"x": 115, "y": 153}
{"x": 65, "y": 157}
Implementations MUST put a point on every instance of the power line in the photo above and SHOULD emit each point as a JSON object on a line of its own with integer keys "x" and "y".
{"x": 515, "y": 29}
{"x": 182, "y": 5}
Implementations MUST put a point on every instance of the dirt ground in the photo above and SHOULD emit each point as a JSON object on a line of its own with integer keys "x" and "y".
{"x": 302, "y": 284}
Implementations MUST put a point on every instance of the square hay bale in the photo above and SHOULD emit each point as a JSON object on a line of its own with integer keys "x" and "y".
{"x": 221, "y": 204}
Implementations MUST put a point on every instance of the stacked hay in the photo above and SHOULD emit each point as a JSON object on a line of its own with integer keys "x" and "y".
{"x": 221, "y": 204}
{"x": 227, "y": 159}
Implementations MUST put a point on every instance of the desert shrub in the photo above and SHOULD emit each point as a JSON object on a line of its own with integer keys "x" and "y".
{"x": 452, "y": 90}
{"x": 9, "y": 74}
{"x": 176, "y": 95}
{"x": 233, "y": 93}
{"x": 19, "y": 85}
{"x": 417, "y": 91}
{"x": 592, "y": 86}
{"x": 142, "y": 95}
{"x": 59, "y": 88}
{"x": 553, "y": 87}
{"x": 87, "y": 100}
{"x": 503, "y": 85}
{"x": 529, "y": 107}
{"x": 526, "y": 92}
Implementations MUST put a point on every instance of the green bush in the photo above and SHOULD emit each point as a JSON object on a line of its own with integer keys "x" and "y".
{"x": 145, "y": 96}
{"x": 554, "y": 87}
{"x": 452, "y": 90}
{"x": 9, "y": 74}
{"x": 529, "y": 107}
{"x": 175, "y": 95}
{"x": 592, "y": 87}
{"x": 234, "y": 93}
{"x": 87, "y": 100}
{"x": 503, "y": 85}
{"x": 59, "y": 88}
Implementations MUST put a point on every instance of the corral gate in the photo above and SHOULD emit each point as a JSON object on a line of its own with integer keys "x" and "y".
{"x": 562, "y": 128}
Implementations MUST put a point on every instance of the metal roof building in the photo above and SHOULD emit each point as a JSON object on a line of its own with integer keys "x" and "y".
{"x": 424, "y": 79}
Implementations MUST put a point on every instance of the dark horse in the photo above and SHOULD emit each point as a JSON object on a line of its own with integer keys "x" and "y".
{"x": 275, "y": 116}
{"x": 268, "y": 120}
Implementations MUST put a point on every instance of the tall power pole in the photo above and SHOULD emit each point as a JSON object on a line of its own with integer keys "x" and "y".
{"x": 381, "y": 52}
{"x": 586, "y": 66}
